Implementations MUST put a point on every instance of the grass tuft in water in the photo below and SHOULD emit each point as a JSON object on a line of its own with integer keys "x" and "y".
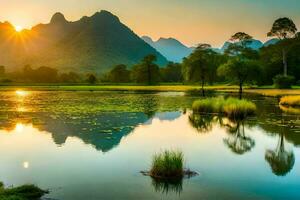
{"x": 167, "y": 164}
{"x": 231, "y": 107}
{"x": 25, "y": 192}
{"x": 293, "y": 101}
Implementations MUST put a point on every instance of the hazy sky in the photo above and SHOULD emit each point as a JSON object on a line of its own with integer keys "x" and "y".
{"x": 191, "y": 21}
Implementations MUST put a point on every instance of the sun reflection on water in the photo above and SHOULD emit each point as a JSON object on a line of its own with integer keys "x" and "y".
{"x": 19, "y": 127}
{"x": 21, "y": 93}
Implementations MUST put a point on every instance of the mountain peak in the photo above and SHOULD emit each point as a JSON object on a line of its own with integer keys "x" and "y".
{"x": 104, "y": 14}
{"x": 58, "y": 18}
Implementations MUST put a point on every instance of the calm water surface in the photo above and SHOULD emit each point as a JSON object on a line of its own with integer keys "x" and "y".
{"x": 92, "y": 145}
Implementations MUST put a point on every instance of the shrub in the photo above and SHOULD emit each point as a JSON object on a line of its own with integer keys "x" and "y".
{"x": 168, "y": 164}
{"x": 283, "y": 82}
{"x": 231, "y": 107}
{"x": 293, "y": 101}
{"x": 25, "y": 192}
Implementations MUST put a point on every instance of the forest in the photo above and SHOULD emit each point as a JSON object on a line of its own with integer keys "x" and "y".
{"x": 277, "y": 64}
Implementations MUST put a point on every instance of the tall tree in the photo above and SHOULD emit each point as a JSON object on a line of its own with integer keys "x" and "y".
{"x": 119, "y": 74}
{"x": 240, "y": 41}
{"x": 91, "y": 78}
{"x": 240, "y": 70}
{"x": 146, "y": 71}
{"x": 197, "y": 66}
{"x": 171, "y": 73}
{"x": 283, "y": 28}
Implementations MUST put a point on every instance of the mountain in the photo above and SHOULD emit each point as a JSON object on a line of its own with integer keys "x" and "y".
{"x": 253, "y": 44}
{"x": 271, "y": 42}
{"x": 93, "y": 43}
{"x": 171, "y": 48}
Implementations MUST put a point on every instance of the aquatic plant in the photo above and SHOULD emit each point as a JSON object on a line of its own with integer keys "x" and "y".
{"x": 231, "y": 107}
{"x": 293, "y": 101}
{"x": 24, "y": 192}
{"x": 168, "y": 164}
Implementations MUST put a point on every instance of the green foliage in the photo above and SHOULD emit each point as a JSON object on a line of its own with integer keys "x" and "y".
{"x": 25, "y": 192}
{"x": 168, "y": 164}
{"x": 283, "y": 82}
{"x": 40, "y": 75}
{"x": 171, "y": 73}
{"x": 91, "y": 79}
{"x": 283, "y": 28}
{"x": 146, "y": 71}
{"x": 240, "y": 70}
{"x": 70, "y": 77}
{"x": 231, "y": 107}
{"x": 119, "y": 74}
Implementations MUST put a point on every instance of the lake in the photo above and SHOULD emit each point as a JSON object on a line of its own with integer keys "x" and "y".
{"x": 93, "y": 145}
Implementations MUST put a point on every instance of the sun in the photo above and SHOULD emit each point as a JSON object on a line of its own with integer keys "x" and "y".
{"x": 18, "y": 28}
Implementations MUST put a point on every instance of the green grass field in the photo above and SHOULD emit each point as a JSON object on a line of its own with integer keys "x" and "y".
{"x": 265, "y": 90}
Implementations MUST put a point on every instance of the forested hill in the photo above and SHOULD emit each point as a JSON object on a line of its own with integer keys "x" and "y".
{"x": 93, "y": 43}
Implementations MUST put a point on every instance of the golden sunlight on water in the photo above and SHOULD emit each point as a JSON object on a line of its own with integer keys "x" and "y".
{"x": 21, "y": 93}
{"x": 19, "y": 128}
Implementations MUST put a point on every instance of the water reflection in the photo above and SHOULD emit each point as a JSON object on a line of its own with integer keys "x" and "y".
{"x": 281, "y": 160}
{"x": 167, "y": 186}
{"x": 237, "y": 141}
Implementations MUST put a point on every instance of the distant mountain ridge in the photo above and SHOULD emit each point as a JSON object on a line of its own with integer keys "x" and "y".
{"x": 253, "y": 44}
{"x": 171, "y": 48}
{"x": 93, "y": 43}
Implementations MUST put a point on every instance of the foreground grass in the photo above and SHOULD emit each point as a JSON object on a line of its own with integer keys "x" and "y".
{"x": 293, "y": 101}
{"x": 168, "y": 164}
{"x": 231, "y": 107}
{"x": 25, "y": 192}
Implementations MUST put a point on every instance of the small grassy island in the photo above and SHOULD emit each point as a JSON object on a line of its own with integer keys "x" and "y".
{"x": 231, "y": 107}
{"x": 290, "y": 104}
{"x": 24, "y": 192}
{"x": 168, "y": 165}
{"x": 293, "y": 101}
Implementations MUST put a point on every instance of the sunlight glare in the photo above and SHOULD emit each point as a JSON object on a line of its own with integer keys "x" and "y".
{"x": 21, "y": 93}
{"x": 19, "y": 127}
{"x": 26, "y": 165}
{"x": 18, "y": 28}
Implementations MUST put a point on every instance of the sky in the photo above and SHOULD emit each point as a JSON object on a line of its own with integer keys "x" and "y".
{"x": 190, "y": 21}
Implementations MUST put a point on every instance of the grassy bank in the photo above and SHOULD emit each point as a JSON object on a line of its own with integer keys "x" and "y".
{"x": 25, "y": 192}
{"x": 293, "y": 101}
{"x": 231, "y": 107}
{"x": 266, "y": 91}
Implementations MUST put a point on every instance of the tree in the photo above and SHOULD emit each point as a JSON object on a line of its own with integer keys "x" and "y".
{"x": 197, "y": 66}
{"x": 119, "y": 74}
{"x": 70, "y": 77}
{"x": 91, "y": 79}
{"x": 240, "y": 70}
{"x": 283, "y": 28}
{"x": 240, "y": 44}
{"x": 146, "y": 71}
{"x": 171, "y": 73}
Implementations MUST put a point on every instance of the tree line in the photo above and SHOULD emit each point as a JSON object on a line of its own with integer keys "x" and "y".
{"x": 277, "y": 64}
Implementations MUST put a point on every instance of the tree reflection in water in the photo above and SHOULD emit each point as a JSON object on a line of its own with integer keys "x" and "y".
{"x": 202, "y": 123}
{"x": 237, "y": 141}
{"x": 280, "y": 160}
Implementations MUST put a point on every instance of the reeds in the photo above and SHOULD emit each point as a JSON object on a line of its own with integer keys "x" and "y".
{"x": 167, "y": 164}
{"x": 231, "y": 107}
